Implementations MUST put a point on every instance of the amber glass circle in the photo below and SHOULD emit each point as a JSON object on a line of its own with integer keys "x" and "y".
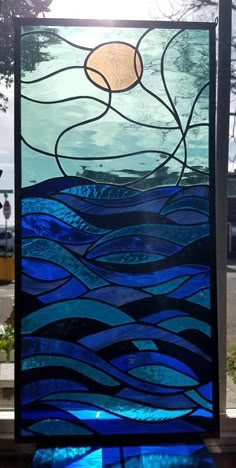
{"x": 118, "y": 62}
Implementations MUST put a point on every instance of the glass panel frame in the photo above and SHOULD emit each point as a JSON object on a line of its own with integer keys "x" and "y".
{"x": 200, "y": 26}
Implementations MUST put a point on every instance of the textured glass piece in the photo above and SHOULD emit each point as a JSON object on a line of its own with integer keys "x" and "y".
{"x": 176, "y": 455}
{"x": 116, "y": 237}
{"x": 83, "y": 308}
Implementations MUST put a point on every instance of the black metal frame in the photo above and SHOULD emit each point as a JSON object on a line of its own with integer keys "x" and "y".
{"x": 117, "y": 439}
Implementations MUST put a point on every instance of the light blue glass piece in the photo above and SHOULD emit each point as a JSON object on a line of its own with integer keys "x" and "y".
{"x": 199, "y": 399}
{"x": 167, "y": 286}
{"x": 145, "y": 344}
{"x": 127, "y": 258}
{"x": 163, "y": 375}
{"x": 183, "y": 235}
{"x": 186, "y": 323}
{"x": 121, "y": 407}
{"x": 60, "y": 211}
{"x": 101, "y": 192}
{"x": 75, "y": 308}
{"x": 53, "y": 427}
{"x": 93, "y": 459}
{"x": 75, "y": 364}
{"x": 199, "y": 204}
{"x": 202, "y": 297}
{"x": 48, "y": 250}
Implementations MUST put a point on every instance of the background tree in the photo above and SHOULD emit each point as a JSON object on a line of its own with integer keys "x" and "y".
{"x": 9, "y": 9}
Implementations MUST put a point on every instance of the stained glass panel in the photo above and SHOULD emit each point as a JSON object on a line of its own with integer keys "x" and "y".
{"x": 116, "y": 296}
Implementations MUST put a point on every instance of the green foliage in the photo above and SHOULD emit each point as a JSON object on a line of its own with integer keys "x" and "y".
{"x": 231, "y": 363}
{"x": 7, "y": 340}
{"x": 9, "y": 9}
{"x": 4, "y": 254}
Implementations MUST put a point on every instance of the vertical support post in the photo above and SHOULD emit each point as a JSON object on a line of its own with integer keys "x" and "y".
{"x": 222, "y": 138}
{"x": 6, "y": 246}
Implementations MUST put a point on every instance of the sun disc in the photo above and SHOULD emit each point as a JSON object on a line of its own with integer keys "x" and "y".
{"x": 118, "y": 62}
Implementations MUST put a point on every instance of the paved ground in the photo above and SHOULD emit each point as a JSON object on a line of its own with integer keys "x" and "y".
{"x": 231, "y": 307}
{"x": 6, "y": 300}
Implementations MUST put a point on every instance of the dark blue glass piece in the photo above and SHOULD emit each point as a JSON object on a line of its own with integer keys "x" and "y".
{"x": 192, "y": 286}
{"x": 117, "y": 295}
{"x": 72, "y": 288}
{"x": 135, "y": 243}
{"x": 35, "y": 287}
{"x": 36, "y": 390}
{"x": 206, "y": 391}
{"x": 43, "y": 270}
{"x": 187, "y": 217}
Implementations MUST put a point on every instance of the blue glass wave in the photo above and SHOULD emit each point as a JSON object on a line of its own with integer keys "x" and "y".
{"x": 116, "y": 295}
{"x": 128, "y": 258}
{"x": 47, "y": 249}
{"x": 136, "y": 359}
{"x": 32, "y": 346}
{"x": 187, "y": 217}
{"x": 135, "y": 243}
{"x": 164, "y": 401}
{"x": 74, "y": 308}
{"x": 71, "y": 289}
{"x": 202, "y": 297}
{"x": 36, "y": 390}
{"x": 111, "y": 192}
{"x": 49, "y": 427}
{"x": 42, "y": 269}
{"x": 90, "y": 259}
{"x": 136, "y": 204}
{"x": 186, "y": 323}
{"x": 121, "y": 407}
{"x": 199, "y": 399}
{"x": 167, "y": 376}
{"x": 44, "y": 360}
{"x": 206, "y": 391}
{"x": 60, "y": 211}
{"x": 192, "y": 286}
{"x": 40, "y": 225}
{"x": 199, "y": 204}
{"x": 182, "y": 235}
{"x": 203, "y": 413}
{"x": 114, "y": 457}
{"x": 166, "y": 287}
{"x": 34, "y": 287}
{"x": 164, "y": 315}
{"x": 144, "y": 279}
{"x": 103, "y": 339}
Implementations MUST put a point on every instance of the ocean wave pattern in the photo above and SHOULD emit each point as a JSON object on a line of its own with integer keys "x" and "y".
{"x": 117, "y": 321}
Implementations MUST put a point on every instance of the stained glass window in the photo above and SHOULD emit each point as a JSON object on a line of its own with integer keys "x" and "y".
{"x": 115, "y": 190}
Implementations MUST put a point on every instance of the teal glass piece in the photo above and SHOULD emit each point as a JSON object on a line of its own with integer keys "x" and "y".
{"x": 78, "y": 308}
{"x": 166, "y": 287}
{"x": 202, "y": 297}
{"x": 186, "y": 323}
{"x": 163, "y": 374}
